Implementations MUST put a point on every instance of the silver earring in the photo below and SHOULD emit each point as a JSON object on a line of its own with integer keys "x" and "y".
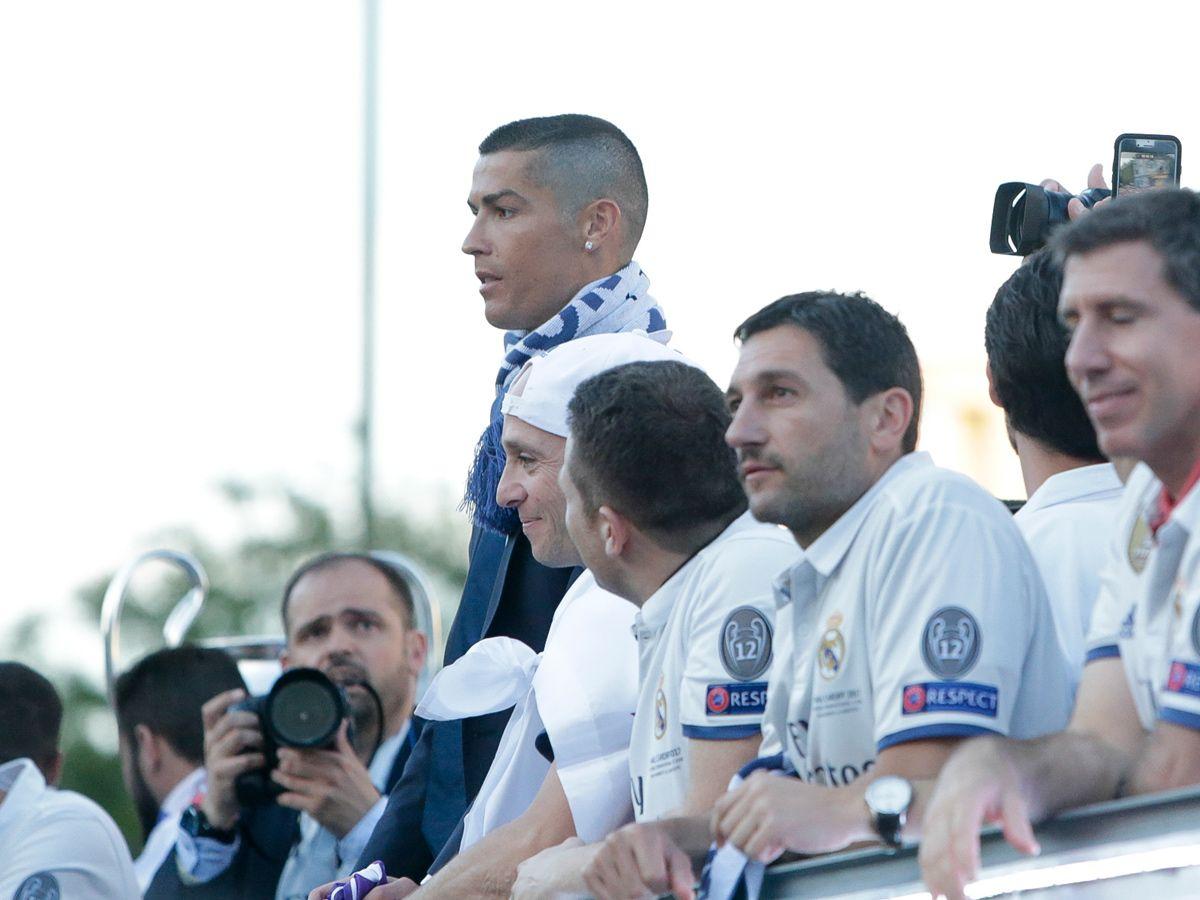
{"x": 588, "y": 246}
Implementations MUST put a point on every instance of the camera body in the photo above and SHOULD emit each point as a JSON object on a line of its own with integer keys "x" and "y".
{"x": 304, "y": 708}
{"x": 1024, "y": 215}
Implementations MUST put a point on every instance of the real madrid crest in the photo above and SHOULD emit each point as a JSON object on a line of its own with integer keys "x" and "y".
{"x": 951, "y": 642}
{"x": 832, "y": 651}
{"x": 660, "y": 712}
{"x": 746, "y": 643}
{"x": 1141, "y": 542}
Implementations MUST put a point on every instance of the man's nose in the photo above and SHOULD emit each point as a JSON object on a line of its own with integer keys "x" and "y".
{"x": 744, "y": 430}
{"x": 474, "y": 243}
{"x": 1087, "y": 354}
{"x": 509, "y": 492}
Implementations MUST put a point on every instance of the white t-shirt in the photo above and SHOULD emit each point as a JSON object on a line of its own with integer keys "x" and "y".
{"x": 1068, "y": 524}
{"x": 918, "y": 614}
{"x": 57, "y": 843}
{"x": 704, "y": 650}
{"x": 1148, "y": 611}
{"x": 581, "y": 691}
{"x": 162, "y": 837}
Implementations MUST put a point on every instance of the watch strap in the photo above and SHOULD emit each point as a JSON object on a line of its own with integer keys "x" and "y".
{"x": 196, "y": 823}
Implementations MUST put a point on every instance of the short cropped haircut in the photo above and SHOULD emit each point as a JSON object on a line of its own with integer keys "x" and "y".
{"x": 395, "y": 580}
{"x": 583, "y": 159}
{"x": 165, "y": 690}
{"x": 863, "y": 344}
{"x": 1026, "y": 344}
{"x": 1167, "y": 219}
{"x": 648, "y": 439}
{"x": 30, "y": 716}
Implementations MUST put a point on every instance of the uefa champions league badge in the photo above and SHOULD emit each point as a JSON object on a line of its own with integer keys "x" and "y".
{"x": 746, "y": 643}
{"x": 951, "y": 642}
{"x": 39, "y": 886}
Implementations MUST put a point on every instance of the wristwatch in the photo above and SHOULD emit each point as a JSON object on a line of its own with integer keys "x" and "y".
{"x": 195, "y": 822}
{"x": 888, "y": 799}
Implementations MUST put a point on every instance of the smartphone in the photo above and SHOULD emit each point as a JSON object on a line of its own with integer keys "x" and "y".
{"x": 1142, "y": 162}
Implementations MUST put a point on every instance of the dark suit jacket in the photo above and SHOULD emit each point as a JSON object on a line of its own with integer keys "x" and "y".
{"x": 507, "y": 593}
{"x": 268, "y": 833}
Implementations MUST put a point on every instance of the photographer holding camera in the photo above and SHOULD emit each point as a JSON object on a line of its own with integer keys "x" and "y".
{"x": 351, "y": 618}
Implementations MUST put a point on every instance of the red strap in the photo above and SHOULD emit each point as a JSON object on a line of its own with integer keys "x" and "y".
{"x": 1167, "y": 504}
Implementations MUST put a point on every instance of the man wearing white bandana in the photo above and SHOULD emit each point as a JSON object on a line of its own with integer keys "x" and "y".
{"x": 655, "y": 509}
{"x": 558, "y": 207}
{"x": 562, "y": 768}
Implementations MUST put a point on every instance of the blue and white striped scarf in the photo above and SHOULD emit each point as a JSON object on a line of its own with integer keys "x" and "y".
{"x": 614, "y": 304}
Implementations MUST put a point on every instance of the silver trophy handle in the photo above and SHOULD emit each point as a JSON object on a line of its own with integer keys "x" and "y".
{"x": 178, "y": 622}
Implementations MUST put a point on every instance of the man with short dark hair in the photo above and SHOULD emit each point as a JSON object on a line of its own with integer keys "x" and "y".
{"x": 351, "y": 616}
{"x": 656, "y": 512}
{"x": 558, "y": 206}
{"x": 161, "y": 737}
{"x": 1131, "y": 302}
{"x": 1073, "y": 491}
{"x": 53, "y": 843}
{"x": 915, "y": 617}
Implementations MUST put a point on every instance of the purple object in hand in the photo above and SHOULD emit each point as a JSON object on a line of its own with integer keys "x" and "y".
{"x": 358, "y": 885}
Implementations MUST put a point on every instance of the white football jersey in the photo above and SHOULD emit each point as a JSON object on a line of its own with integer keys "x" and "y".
{"x": 57, "y": 843}
{"x": 919, "y": 614}
{"x": 704, "y": 650}
{"x": 1067, "y": 524}
{"x": 1148, "y": 611}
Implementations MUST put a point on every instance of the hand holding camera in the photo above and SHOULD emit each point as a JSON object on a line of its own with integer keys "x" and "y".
{"x": 233, "y": 744}
{"x": 331, "y": 785}
{"x": 291, "y": 746}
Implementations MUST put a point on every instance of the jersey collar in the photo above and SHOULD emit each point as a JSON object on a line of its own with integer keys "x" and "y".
{"x": 652, "y": 617}
{"x": 24, "y": 785}
{"x": 1167, "y": 505}
{"x": 825, "y": 554}
{"x": 1073, "y": 485}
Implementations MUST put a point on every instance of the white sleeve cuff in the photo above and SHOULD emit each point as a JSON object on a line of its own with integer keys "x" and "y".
{"x": 355, "y": 841}
{"x": 200, "y": 860}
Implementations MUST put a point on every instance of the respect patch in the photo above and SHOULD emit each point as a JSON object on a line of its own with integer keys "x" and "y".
{"x": 741, "y": 699}
{"x": 1184, "y": 678}
{"x": 950, "y": 696}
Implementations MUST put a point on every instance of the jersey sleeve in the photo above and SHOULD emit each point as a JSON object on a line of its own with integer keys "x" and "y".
{"x": 1112, "y": 616}
{"x": 730, "y": 638}
{"x": 72, "y": 856}
{"x": 951, "y": 614}
{"x": 1178, "y": 687}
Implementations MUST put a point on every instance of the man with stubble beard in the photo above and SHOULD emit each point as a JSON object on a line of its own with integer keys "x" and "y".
{"x": 352, "y": 617}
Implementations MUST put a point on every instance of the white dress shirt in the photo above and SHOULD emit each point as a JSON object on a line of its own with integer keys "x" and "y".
{"x": 162, "y": 836}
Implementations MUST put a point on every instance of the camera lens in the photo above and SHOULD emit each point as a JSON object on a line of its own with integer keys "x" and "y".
{"x": 305, "y": 710}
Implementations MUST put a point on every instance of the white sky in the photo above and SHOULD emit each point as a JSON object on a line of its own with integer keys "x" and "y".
{"x": 180, "y": 219}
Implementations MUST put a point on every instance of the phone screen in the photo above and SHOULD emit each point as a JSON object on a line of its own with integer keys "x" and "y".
{"x": 1144, "y": 163}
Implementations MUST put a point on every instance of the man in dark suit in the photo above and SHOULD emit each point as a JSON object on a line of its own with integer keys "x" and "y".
{"x": 558, "y": 207}
{"x": 352, "y": 617}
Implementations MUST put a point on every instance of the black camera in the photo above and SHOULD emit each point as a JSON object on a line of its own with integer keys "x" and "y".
{"x": 1025, "y": 214}
{"x": 303, "y": 709}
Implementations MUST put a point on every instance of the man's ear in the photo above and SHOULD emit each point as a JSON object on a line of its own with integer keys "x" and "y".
{"x": 418, "y": 648}
{"x": 992, "y": 393}
{"x": 149, "y": 749}
{"x": 888, "y": 415}
{"x": 615, "y": 531}
{"x": 601, "y": 220}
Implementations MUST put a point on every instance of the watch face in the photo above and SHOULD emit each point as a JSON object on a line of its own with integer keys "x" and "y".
{"x": 889, "y": 795}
